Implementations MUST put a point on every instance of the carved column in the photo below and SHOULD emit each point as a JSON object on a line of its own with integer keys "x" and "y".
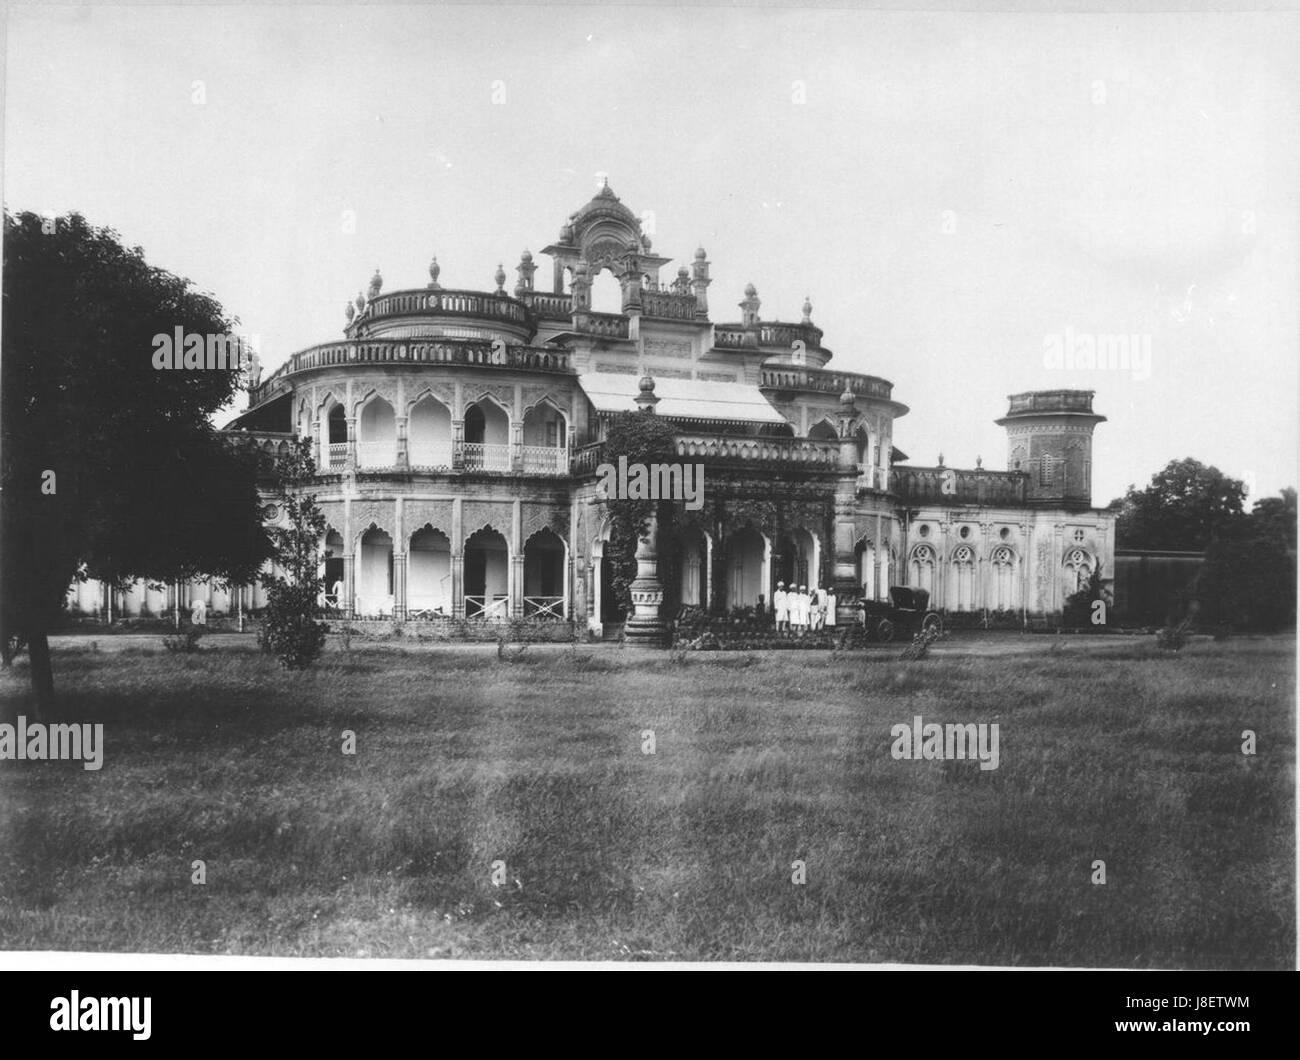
{"x": 458, "y": 445}
{"x": 403, "y": 459}
{"x": 516, "y": 446}
{"x": 644, "y": 626}
{"x": 352, "y": 443}
{"x": 457, "y": 560}
{"x": 399, "y": 586}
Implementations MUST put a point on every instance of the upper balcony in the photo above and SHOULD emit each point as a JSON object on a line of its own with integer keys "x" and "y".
{"x": 767, "y": 335}
{"x": 823, "y": 381}
{"x": 476, "y": 353}
{"x": 435, "y": 305}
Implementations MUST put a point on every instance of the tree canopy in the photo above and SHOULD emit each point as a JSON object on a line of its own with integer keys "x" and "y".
{"x": 106, "y": 461}
{"x": 1186, "y": 506}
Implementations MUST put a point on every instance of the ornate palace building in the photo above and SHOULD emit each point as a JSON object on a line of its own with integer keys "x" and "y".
{"x": 457, "y": 435}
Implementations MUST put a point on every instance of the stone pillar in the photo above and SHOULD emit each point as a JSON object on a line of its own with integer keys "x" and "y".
{"x": 457, "y": 583}
{"x": 352, "y": 444}
{"x": 458, "y": 445}
{"x": 347, "y": 604}
{"x": 516, "y": 445}
{"x": 515, "y": 588}
{"x": 399, "y": 586}
{"x": 320, "y": 450}
{"x": 644, "y": 626}
{"x": 403, "y": 459}
{"x": 457, "y": 560}
{"x": 708, "y": 572}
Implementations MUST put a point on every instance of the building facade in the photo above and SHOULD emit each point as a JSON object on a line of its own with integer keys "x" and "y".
{"x": 457, "y": 435}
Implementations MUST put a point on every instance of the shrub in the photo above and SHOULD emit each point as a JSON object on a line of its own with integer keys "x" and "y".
{"x": 186, "y": 642}
{"x": 920, "y": 645}
{"x": 1172, "y": 638}
{"x": 289, "y": 631}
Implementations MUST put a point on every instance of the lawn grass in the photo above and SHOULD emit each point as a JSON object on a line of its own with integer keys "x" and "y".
{"x": 463, "y": 759}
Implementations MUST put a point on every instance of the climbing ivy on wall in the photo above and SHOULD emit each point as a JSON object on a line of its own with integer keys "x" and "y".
{"x": 643, "y": 438}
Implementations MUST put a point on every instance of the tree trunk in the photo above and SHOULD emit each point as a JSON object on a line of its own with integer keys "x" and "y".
{"x": 38, "y": 651}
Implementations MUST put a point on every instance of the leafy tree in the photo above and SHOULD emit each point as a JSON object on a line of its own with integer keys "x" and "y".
{"x": 1276, "y": 517}
{"x": 105, "y": 460}
{"x": 290, "y": 630}
{"x": 1248, "y": 579}
{"x": 1187, "y": 506}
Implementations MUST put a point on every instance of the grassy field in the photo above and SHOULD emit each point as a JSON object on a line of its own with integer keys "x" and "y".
{"x": 462, "y": 760}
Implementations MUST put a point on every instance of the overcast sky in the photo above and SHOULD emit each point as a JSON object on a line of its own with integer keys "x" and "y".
{"x": 952, "y": 190}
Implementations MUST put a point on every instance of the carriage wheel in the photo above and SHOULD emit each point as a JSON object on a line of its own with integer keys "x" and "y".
{"x": 932, "y": 622}
{"x": 885, "y": 631}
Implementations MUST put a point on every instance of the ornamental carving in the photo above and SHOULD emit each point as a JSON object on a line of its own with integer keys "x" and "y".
{"x": 366, "y": 391}
{"x": 437, "y": 514}
{"x": 536, "y": 517}
{"x": 440, "y": 394}
{"x": 382, "y": 515}
{"x": 475, "y": 515}
{"x": 505, "y": 395}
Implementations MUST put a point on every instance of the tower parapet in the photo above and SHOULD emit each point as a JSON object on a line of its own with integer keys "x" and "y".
{"x": 1049, "y": 436}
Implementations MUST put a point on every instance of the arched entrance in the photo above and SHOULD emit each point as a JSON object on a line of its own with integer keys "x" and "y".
{"x": 428, "y": 574}
{"x": 377, "y": 435}
{"x": 375, "y": 576}
{"x": 487, "y": 577}
{"x": 334, "y": 594}
{"x": 694, "y": 564}
{"x": 746, "y": 568}
{"x": 428, "y": 434}
{"x": 544, "y": 576}
{"x": 487, "y": 436}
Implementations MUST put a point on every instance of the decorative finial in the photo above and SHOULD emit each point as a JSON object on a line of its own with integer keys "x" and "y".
{"x": 700, "y": 255}
{"x": 434, "y": 270}
{"x": 847, "y": 398}
{"x": 361, "y": 302}
{"x": 526, "y": 256}
{"x": 646, "y": 399}
{"x": 376, "y": 284}
{"x": 979, "y": 461}
{"x": 750, "y": 290}
{"x": 645, "y": 244}
{"x": 500, "y": 278}
{"x": 807, "y": 310}
{"x": 941, "y": 459}
{"x": 351, "y": 311}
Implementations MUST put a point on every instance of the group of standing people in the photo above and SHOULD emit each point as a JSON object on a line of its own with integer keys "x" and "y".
{"x": 799, "y": 609}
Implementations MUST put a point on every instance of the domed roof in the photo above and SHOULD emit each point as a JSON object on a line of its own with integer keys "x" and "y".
{"x": 605, "y": 204}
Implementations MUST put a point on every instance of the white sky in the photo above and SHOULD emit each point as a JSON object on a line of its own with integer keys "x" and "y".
{"x": 1109, "y": 173}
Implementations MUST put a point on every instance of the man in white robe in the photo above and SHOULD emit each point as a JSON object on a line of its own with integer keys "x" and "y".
{"x": 781, "y": 605}
{"x": 830, "y": 606}
{"x": 799, "y": 613}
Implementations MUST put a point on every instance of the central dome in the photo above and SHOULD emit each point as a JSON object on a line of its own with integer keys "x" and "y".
{"x": 605, "y": 204}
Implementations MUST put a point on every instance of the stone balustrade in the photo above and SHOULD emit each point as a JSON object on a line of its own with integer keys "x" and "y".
{"x": 953, "y": 486}
{"x": 822, "y": 380}
{"x": 479, "y": 353}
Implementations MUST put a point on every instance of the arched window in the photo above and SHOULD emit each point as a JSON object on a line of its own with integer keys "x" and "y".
{"x": 961, "y": 589}
{"x": 1078, "y": 569}
{"x": 922, "y": 572}
{"x": 1004, "y": 587}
